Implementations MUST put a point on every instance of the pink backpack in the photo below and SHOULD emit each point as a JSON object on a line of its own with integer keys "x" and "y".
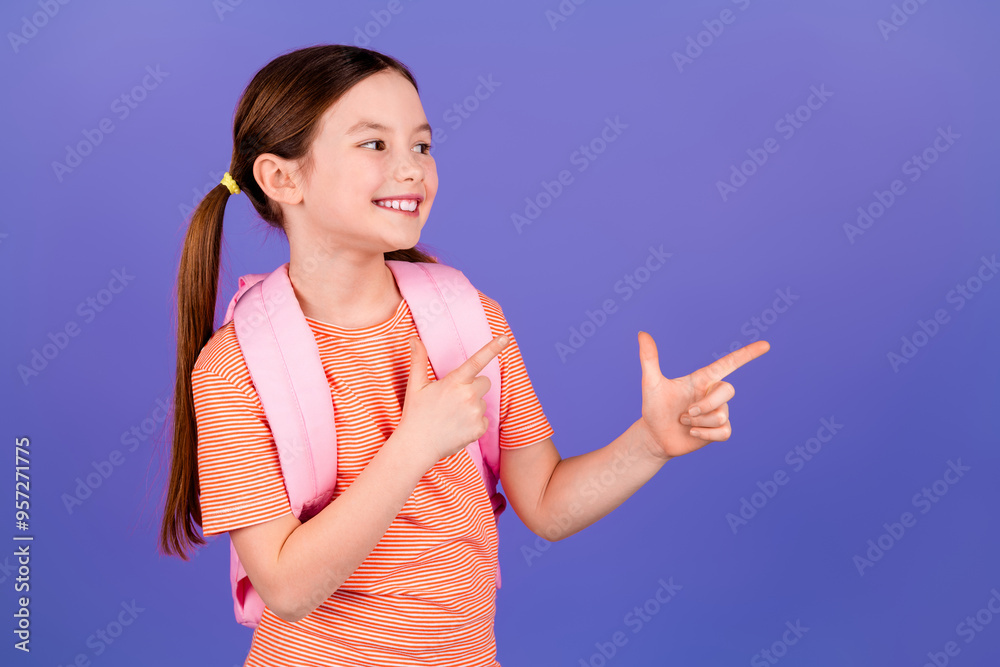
{"x": 283, "y": 358}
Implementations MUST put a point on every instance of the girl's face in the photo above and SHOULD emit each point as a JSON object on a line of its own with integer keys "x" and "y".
{"x": 374, "y": 143}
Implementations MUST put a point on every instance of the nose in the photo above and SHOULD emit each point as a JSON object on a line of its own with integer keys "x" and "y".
{"x": 407, "y": 166}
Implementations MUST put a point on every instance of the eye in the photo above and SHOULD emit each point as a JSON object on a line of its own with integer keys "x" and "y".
{"x": 426, "y": 150}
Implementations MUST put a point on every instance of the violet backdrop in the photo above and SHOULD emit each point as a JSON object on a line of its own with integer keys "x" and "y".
{"x": 821, "y": 175}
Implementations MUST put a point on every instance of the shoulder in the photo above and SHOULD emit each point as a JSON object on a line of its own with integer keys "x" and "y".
{"x": 491, "y": 306}
{"x": 221, "y": 356}
{"x": 495, "y": 316}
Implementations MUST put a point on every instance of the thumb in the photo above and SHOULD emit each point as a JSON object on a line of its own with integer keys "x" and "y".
{"x": 648, "y": 357}
{"x": 418, "y": 365}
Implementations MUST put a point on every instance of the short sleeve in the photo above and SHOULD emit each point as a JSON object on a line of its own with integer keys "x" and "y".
{"x": 239, "y": 472}
{"x": 522, "y": 421}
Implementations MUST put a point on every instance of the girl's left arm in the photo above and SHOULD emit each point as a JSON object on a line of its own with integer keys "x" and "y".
{"x": 558, "y": 497}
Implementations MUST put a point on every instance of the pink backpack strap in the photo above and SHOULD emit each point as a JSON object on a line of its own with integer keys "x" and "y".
{"x": 245, "y": 282}
{"x": 452, "y": 324}
{"x": 283, "y": 358}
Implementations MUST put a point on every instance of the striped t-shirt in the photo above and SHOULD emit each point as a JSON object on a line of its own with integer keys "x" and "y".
{"x": 426, "y": 593}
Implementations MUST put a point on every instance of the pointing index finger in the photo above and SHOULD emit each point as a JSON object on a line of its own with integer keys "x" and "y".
{"x": 729, "y": 363}
{"x": 471, "y": 367}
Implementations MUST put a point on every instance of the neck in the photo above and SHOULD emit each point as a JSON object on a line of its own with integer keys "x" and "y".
{"x": 347, "y": 292}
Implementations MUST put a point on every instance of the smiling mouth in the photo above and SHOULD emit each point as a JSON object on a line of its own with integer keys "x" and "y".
{"x": 400, "y": 206}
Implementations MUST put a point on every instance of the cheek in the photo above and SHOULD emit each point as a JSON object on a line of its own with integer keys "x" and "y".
{"x": 354, "y": 176}
{"x": 357, "y": 188}
{"x": 431, "y": 180}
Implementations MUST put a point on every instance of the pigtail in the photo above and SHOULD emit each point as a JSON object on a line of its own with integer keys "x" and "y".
{"x": 197, "y": 290}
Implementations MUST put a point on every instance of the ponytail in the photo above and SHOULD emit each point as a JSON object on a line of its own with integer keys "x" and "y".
{"x": 197, "y": 289}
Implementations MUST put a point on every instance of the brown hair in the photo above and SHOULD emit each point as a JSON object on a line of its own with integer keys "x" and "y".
{"x": 278, "y": 113}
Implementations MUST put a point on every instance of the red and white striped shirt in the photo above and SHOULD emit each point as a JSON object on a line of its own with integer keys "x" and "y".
{"x": 426, "y": 593}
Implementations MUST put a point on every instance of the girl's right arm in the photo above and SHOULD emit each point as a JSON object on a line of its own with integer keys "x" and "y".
{"x": 295, "y": 566}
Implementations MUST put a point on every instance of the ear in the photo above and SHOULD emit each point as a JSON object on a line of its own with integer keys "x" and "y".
{"x": 275, "y": 176}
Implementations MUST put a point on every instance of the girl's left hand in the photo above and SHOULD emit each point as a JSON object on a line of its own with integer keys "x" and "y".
{"x": 687, "y": 413}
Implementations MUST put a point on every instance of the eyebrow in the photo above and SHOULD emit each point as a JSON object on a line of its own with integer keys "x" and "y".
{"x": 363, "y": 125}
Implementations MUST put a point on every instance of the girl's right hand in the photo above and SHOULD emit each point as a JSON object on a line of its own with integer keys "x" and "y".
{"x": 443, "y": 416}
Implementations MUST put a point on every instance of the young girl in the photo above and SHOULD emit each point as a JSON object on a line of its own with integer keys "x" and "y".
{"x": 399, "y": 568}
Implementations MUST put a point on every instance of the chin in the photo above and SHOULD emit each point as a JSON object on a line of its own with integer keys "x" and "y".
{"x": 405, "y": 241}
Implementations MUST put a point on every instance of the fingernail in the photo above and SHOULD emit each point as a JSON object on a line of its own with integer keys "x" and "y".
{"x": 502, "y": 340}
{"x": 695, "y": 411}
{"x": 685, "y": 420}
{"x": 695, "y": 434}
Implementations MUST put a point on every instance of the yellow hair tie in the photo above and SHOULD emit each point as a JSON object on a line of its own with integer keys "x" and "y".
{"x": 228, "y": 181}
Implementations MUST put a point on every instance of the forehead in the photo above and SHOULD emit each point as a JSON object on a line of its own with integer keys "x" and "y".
{"x": 385, "y": 98}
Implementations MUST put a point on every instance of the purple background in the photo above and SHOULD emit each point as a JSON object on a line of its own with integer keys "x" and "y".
{"x": 123, "y": 206}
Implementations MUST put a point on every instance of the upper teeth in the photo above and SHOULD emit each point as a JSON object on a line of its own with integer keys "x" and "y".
{"x": 402, "y": 204}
